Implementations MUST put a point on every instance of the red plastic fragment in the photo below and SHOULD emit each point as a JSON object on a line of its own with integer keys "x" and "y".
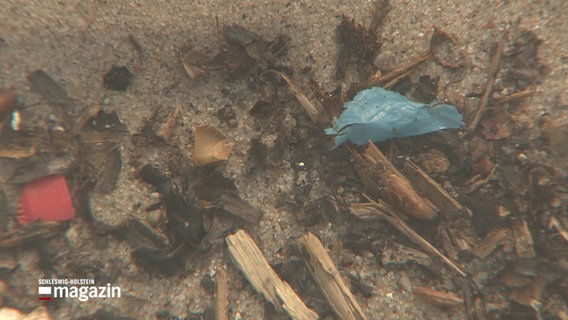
{"x": 46, "y": 199}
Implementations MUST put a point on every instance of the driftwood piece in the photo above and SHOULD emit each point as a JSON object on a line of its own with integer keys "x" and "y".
{"x": 390, "y": 184}
{"x": 387, "y": 212}
{"x": 326, "y": 275}
{"x": 221, "y": 295}
{"x": 449, "y": 206}
{"x": 248, "y": 258}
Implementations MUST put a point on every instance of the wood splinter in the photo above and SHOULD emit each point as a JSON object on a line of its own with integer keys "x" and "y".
{"x": 248, "y": 258}
{"x": 221, "y": 295}
{"x": 326, "y": 275}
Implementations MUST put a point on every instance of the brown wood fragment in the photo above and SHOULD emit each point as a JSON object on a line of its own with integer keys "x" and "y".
{"x": 488, "y": 90}
{"x": 524, "y": 246}
{"x": 438, "y": 298}
{"x": 387, "y": 212}
{"x": 492, "y": 240}
{"x": 248, "y": 258}
{"x": 393, "y": 187}
{"x": 221, "y": 295}
{"x": 327, "y": 277}
{"x": 449, "y": 206}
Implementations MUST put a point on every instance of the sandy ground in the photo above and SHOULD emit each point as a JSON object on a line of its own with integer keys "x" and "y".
{"x": 76, "y": 42}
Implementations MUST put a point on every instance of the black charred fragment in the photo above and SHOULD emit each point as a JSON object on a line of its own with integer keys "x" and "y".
{"x": 163, "y": 260}
{"x": 118, "y": 78}
{"x": 220, "y": 192}
{"x": 184, "y": 220}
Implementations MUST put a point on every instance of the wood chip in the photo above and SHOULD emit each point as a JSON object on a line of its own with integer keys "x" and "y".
{"x": 210, "y": 146}
{"x": 248, "y": 258}
{"x": 323, "y": 270}
{"x": 221, "y": 295}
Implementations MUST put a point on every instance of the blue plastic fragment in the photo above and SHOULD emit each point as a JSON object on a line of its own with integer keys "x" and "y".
{"x": 377, "y": 114}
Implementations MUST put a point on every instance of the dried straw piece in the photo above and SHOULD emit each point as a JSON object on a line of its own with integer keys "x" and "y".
{"x": 210, "y": 146}
{"x": 248, "y": 258}
{"x": 315, "y": 111}
{"x": 385, "y": 211}
{"x": 441, "y": 299}
{"x": 326, "y": 275}
{"x": 488, "y": 90}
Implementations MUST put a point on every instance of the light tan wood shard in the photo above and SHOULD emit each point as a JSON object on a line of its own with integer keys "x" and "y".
{"x": 221, "y": 295}
{"x": 439, "y": 298}
{"x": 248, "y": 258}
{"x": 326, "y": 275}
{"x": 210, "y": 146}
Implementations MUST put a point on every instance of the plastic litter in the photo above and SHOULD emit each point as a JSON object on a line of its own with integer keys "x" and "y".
{"x": 46, "y": 199}
{"x": 377, "y": 114}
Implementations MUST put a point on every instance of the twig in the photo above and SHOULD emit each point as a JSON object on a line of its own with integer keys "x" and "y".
{"x": 488, "y": 90}
{"x": 332, "y": 286}
{"x": 388, "y": 213}
{"x": 514, "y": 96}
{"x": 248, "y": 258}
{"x": 393, "y": 75}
